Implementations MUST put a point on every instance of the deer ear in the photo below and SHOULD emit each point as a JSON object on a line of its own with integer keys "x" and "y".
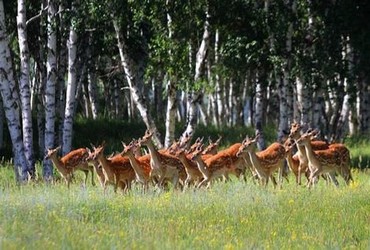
{"x": 257, "y": 136}
{"x": 218, "y": 140}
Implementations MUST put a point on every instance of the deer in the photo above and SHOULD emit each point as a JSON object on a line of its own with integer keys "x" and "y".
{"x": 76, "y": 159}
{"x": 98, "y": 169}
{"x": 293, "y": 160}
{"x": 219, "y": 165}
{"x": 117, "y": 169}
{"x": 295, "y": 134}
{"x": 163, "y": 165}
{"x": 140, "y": 164}
{"x": 334, "y": 159}
{"x": 212, "y": 147}
{"x": 265, "y": 162}
{"x": 192, "y": 171}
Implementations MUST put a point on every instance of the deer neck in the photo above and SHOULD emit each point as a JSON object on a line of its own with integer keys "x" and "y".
{"x": 254, "y": 160}
{"x": 107, "y": 169}
{"x": 289, "y": 159}
{"x": 185, "y": 161}
{"x": 310, "y": 154}
{"x": 154, "y": 155}
{"x": 302, "y": 153}
{"x": 202, "y": 166}
{"x": 58, "y": 164}
{"x": 242, "y": 159}
{"x": 135, "y": 165}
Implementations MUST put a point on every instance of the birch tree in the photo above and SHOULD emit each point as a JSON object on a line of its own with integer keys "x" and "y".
{"x": 71, "y": 85}
{"x": 132, "y": 78}
{"x": 195, "y": 97}
{"x": 11, "y": 102}
{"x": 171, "y": 89}
{"x": 24, "y": 85}
{"x": 51, "y": 67}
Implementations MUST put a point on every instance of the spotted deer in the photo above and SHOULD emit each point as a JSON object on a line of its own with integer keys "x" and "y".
{"x": 293, "y": 160}
{"x": 74, "y": 160}
{"x": 117, "y": 169}
{"x": 163, "y": 165}
{"x": 140, "y": 164}
{"x": 212, "y": 147}
{"x": 334, "y": 159}
{"x": 193, "y": 175}
{"x": 295, "y": 134}
{"x": 219, "y": 165}
{"x": 265, "y": 162}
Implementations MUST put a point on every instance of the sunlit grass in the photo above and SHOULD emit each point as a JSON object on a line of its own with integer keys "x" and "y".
{"x": 233, "y": 215}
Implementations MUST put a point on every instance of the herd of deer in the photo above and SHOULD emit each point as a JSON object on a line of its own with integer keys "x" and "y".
{"x": 184, "y": 165}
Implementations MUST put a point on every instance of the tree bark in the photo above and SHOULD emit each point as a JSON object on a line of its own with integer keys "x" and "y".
{"x": 2, "y": 118}
{"x": 51, "y": 69}
{"x": 24, "y": 84}
{"x": 259, "y": 111}
{"x": 71, "y": 90}
{"x": 11, "y": 102}
{"x": 195, "y": 98}
{"x": 171, "y": 91}
{"x": 92, "y": 80}
{"x": 303, "y": 101}
{"x": 131, "y": 77}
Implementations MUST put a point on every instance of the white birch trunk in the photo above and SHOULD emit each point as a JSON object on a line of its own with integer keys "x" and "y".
{"x": 343, "y": 122}
{"x": 342, "y": 125}
{"x": 131, "y": 77}
{"x": 25, "y": 91}
{"x": 93, "y": 93}
{"x": 2, "y": 119}
{"x": 363, "y": 111}
{"x": 259, "y": 112}
{"x": 51, "y": 69}
{"x": 92, "y": 81}
{"x": 171, "y": 92}
{"x": 71, "y": 91}
{"x": 283, "y": 108}
{"x": 11, "y": 103}
{"x": 303, "y": 101}
{"x": 195, "y": 99}
{"x": 217, "y": 101}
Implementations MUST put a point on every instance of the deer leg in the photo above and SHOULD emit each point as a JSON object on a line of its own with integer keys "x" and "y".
{"x": 205, "y": 180}
{"x": 333, "y": 178}
{"x": 92, "y": 177}
{"x": 86, "y": 172}
{"x": 313, "y": 177}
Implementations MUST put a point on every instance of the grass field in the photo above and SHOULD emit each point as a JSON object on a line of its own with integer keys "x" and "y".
{"x": 233, "y": 215}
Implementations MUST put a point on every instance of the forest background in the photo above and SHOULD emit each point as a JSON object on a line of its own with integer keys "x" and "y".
{"x": 172, "y": 65}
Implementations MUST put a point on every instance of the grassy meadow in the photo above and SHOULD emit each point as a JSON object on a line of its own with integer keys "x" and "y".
{"x": 232, "y": 215}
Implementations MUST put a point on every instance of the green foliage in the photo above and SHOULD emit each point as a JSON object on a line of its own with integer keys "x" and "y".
{"x": 113, "y": 132}
{"x": 233, "y": 215}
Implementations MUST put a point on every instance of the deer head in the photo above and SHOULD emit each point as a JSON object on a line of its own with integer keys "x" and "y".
{"x": 247, "y": 145}
{"x": 295, "y": 129}
{"x": 197, "y": 152}
{"x": 50, "y": 152}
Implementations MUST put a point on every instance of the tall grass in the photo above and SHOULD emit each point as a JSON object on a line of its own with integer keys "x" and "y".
{"x": 233, "y": 215}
